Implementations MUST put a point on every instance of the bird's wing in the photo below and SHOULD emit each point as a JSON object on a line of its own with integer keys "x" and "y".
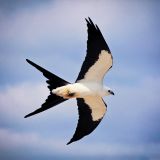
{"x": 91, "y": 111}
{"x": 53, "y": 81}
{"x": 98, "y": 59}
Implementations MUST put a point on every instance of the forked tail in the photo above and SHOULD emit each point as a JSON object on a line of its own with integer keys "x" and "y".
{"x": 53, "y": 82}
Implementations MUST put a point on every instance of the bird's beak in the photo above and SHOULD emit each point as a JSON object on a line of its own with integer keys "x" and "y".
{"x": 111, "y": 92}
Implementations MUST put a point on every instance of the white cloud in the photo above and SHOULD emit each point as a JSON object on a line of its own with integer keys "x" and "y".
{"x": 37, "y": 24}
{"x": 18, "y": 100}
{"x": 138, "y": 102}
{"x": 11, "y": 140}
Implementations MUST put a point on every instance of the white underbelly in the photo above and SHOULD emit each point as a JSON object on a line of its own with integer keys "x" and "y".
{"x": 87, "y": 89}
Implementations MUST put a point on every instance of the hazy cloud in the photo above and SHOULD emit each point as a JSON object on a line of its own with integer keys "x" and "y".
{"x": 35, "y": 143}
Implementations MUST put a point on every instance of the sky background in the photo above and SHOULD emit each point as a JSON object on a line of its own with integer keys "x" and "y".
{"x": 53, "y": 34}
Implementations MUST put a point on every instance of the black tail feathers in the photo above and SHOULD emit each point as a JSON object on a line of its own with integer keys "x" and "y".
{"x": 53, "y": 82}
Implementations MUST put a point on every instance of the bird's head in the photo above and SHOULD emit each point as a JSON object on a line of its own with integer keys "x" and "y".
{"x": 108, "y": 91}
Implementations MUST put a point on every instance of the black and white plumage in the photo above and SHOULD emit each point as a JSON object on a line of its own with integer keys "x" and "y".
{"x": 88, "y": 88}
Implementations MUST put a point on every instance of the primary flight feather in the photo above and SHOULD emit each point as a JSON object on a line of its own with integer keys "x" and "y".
{"x": 88, "y": 88}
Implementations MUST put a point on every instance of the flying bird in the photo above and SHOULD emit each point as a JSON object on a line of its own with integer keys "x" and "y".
{"x": 88, "y": 88}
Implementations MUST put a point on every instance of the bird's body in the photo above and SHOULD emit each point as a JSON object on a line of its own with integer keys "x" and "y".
{"x": 88, "y": 88}
{"x": 81, "y": 90}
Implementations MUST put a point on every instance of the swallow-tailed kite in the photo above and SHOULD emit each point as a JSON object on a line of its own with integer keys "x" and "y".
{"x": 88, "y": 88}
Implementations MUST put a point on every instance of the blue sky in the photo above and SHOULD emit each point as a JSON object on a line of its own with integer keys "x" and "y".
{"x": 53, "y": 34}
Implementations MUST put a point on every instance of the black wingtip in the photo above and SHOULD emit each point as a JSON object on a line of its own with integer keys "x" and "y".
{"x": 90, "y": 23}
{"x": 87, "y": 20}
{"x": 90, "y": 19}
{"x": 30, "y": 62}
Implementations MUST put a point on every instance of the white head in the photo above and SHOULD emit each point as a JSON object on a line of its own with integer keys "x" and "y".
{"x": 108, "y": 91}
